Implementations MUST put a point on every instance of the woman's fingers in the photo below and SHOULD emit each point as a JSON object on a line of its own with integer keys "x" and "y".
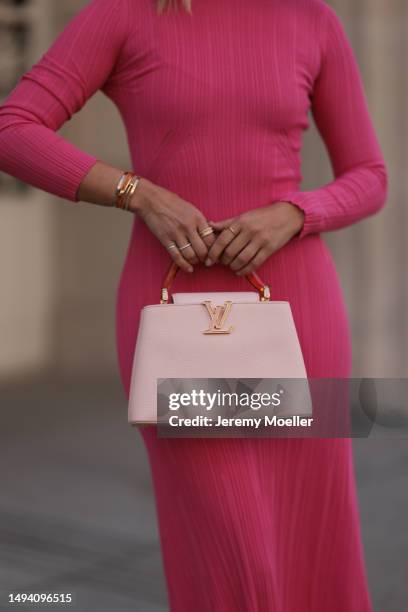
{"x": 178, "y": 257}
{"x": 220, "y": 225}
{"x": 234, "y": 247}
{"x": 185, "y": 247}
{"x": 256, "y": 261}
{"x": 201, "y": 243}
{"x": 177, "y": 223}
{"x": 188, "y": 250}
{"x": 181, "y": 252}
{"x": 226, "y": 236}
{"x": 245, "y": 256}
{"x": 209, "y": 241}
{"x": 207, "y": 234}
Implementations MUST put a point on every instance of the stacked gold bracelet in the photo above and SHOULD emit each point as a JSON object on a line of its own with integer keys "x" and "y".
{"x": 125, "y": 189}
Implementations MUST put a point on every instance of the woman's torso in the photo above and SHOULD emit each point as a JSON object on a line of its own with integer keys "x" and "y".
{"x": 214, "y": 107}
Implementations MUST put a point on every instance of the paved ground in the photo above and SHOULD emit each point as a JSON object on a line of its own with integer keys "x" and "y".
{"x": 77, "y": 511}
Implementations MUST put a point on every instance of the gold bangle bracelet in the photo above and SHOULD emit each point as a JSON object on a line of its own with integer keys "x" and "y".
{"x": 128, "y": 191}
{"x": 132, "y": 190}
{"x": 122, "y": 187}
{"x": 120, "y": 184}
{"x": 125, "y": 189}
{"x": 124, "y": 197}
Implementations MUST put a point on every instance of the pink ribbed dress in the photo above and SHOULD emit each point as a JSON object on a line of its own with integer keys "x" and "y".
{"x": 214, "y": 105}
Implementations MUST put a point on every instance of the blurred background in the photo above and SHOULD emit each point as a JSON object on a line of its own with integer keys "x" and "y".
{"x": 77, "y": 507}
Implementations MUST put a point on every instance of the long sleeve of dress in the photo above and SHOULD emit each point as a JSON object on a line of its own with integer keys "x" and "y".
{"x": 339, "y": 108}
{"x": 76, "y": 65}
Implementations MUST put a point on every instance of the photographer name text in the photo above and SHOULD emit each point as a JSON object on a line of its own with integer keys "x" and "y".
{"x": 255, "y": 422}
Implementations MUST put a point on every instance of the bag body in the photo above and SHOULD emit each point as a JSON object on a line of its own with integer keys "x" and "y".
{"x": 216, "y": 335}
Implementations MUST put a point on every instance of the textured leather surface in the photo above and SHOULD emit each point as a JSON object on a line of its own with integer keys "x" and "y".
{"x": 217, "y": 297}
{"x": 171, "y": 344}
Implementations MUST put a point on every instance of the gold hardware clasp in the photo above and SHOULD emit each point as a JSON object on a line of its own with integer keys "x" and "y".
{"x": 164, "y": 296}
{"x": 218, "y": 315}
{"x": 266, "y": 294}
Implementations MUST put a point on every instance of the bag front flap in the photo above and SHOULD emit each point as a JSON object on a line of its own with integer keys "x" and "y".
{"x": 217, "y": 297}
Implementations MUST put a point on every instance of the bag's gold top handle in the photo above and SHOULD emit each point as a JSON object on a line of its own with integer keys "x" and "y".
{"x": 252, "y": 278}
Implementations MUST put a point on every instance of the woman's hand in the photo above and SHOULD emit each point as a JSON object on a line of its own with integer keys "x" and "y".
{"x": 245, "y": 241}
{"x": 173, "y": 221}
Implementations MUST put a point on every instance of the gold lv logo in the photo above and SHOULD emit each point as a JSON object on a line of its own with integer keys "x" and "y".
{"x": 218, "y": 315}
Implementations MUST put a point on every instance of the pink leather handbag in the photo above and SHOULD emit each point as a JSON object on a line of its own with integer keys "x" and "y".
{"x": 211, "y": 335}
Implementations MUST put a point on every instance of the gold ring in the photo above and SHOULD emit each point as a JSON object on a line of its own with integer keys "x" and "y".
{"x": 206, "y": 231}
{"x": 185, "y": 246}
{"x": 232, "y": 230}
